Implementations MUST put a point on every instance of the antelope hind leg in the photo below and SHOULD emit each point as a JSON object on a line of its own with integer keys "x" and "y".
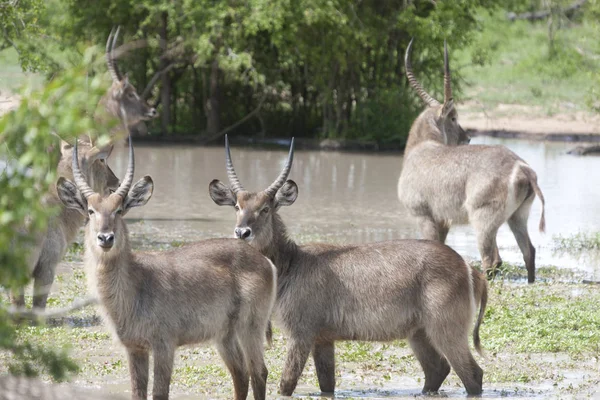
{"x": 435, "y": 366}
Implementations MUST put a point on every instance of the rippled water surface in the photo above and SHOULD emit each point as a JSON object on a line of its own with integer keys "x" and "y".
{"x": 351, "y": 197}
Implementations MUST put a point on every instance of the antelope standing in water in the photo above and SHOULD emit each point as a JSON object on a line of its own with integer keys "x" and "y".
{"x": 443, "y": 183}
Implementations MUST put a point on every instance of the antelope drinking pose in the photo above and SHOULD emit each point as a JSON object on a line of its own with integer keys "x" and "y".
{"x": 443, "y": 183}
{"x": 221, "y": 290}
{"x": 416, "y": 289}
{"x": 122, "y": 102}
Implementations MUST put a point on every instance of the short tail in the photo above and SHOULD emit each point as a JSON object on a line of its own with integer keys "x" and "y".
{"x": 480, "y": 290}
{"x": 269, "y": 334}
{"x": 531, "y": 175}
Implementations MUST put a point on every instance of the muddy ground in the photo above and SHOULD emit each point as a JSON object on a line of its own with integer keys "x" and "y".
{"x": 540, "y": 340}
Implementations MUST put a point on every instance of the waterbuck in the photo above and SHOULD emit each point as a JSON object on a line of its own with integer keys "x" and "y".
{"x": 122, "y": 102}
{"x": 416, "y": 289}
{"x": 443, "y": 183}
{"x": 221, "y": 290}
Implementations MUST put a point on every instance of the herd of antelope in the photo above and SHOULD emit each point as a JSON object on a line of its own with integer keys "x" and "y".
{"x": 227, "y": 290}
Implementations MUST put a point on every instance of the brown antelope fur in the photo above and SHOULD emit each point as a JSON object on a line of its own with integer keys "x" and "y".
{"x": 443, "y": 183}
{"x": 416, "y": 289}
{"x": 121, "y": 101}
{"x": 51, "y": 245}
{"x": 219, "y": 290}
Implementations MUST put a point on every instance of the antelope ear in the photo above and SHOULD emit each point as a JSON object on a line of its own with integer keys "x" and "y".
{"x": 287, "y": 195}
{"x": 446, "y": 109}
{"x": 139, "y": 194}
{"x": 70, "y": 196}
{"x": 221, "y": 194}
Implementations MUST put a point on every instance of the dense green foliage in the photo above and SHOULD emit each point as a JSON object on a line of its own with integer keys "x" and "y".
{"x": 29, "y": 150}
{"x": 305, "y": 68}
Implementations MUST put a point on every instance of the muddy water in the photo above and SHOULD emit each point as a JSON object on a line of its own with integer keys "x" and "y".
{"x": 351, "y": 197}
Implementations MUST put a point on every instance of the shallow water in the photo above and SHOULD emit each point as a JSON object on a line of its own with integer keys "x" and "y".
{"x": 351, "y": 197}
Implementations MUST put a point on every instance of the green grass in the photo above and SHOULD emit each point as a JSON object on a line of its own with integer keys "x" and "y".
{"x": 532, "y": 334}
{"x": 518, "y": 68}
{"x": 577, "y": 243}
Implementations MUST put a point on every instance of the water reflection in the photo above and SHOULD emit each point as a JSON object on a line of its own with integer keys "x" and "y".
{"x": 351, "y": 198}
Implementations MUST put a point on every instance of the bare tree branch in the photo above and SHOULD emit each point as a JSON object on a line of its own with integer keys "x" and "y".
{"x": 543, "y": 14}
{"x": 154, "y": 79}
{"x": 238, "y": 123}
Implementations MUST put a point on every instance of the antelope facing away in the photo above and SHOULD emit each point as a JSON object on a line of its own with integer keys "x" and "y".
{"x": 443, "y": 183}
{"x": 221, "y": 290}
{"x": 416, "y": 289}
{"x": 122, "y": 102}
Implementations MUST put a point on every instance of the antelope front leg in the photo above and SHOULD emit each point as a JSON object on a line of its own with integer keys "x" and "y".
{"x": 138, "y": 370}
{"x": 298, "y": 351}
{"x": 163, "y": 368}
{"x": 324, "y": 356}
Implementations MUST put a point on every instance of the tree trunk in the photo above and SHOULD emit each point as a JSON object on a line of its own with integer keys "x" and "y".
{"x": 165, "y": 93}
{"x": 213, "y": 125}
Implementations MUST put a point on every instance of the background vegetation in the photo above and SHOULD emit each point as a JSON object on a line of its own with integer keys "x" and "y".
{"x": 309, "y": 68}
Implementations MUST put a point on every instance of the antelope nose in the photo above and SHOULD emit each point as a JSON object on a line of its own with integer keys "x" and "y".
{"x": 243, "y": 233}
{"x": 152, "y": 113}
{"x": 106, "y": 239}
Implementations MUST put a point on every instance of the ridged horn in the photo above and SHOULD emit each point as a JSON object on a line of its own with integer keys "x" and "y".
{"x": 447, "y": 80}
{"x": 128, "y": 180}
{"x": 275, "y": 186}
{"x": 110, "y": 61}
{"x": 234, "y": 182}
{"x": 430, "y": 101}
{"x": 85, "y": 189}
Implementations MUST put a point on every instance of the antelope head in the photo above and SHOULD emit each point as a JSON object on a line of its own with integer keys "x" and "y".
{"x": 443, "y": 116}
{"x": 92, "y": 160}
{"x": 123, "y": 98}
{"x": 255, "y": 210}
{"x": 106, "y": 232}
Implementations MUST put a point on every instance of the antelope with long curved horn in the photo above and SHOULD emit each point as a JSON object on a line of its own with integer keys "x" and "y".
{"x": 416, "y": 289}
{"x": 442, "y": 183}
{"x": 219, "y": 290}
{"x": 122, "y": 100}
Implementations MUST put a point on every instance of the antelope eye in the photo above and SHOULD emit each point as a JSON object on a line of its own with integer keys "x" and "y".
{"x": 90, "y": 211}
{"x": 265, "y": 210}
{"x": 119, "y": 211}
{"x": 237, "y": 208}
{"x": 453, "y": 119}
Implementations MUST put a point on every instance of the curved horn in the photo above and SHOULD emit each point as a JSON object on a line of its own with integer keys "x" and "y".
{"x": 85, "y": 189}
{"x": 275, "y": 186}
{"x": 234, "y": 182}
{"x": 110, "y": 62}
{"x": 447, "y": 80}
{"x": 128, "y": 180}
{"x": 413, "y": 81}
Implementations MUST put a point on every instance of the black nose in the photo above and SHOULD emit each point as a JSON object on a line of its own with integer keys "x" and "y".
{"x": 106, "y": 239}
{"x": 243, "y": 233}
{"x": 152, "y": 113}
